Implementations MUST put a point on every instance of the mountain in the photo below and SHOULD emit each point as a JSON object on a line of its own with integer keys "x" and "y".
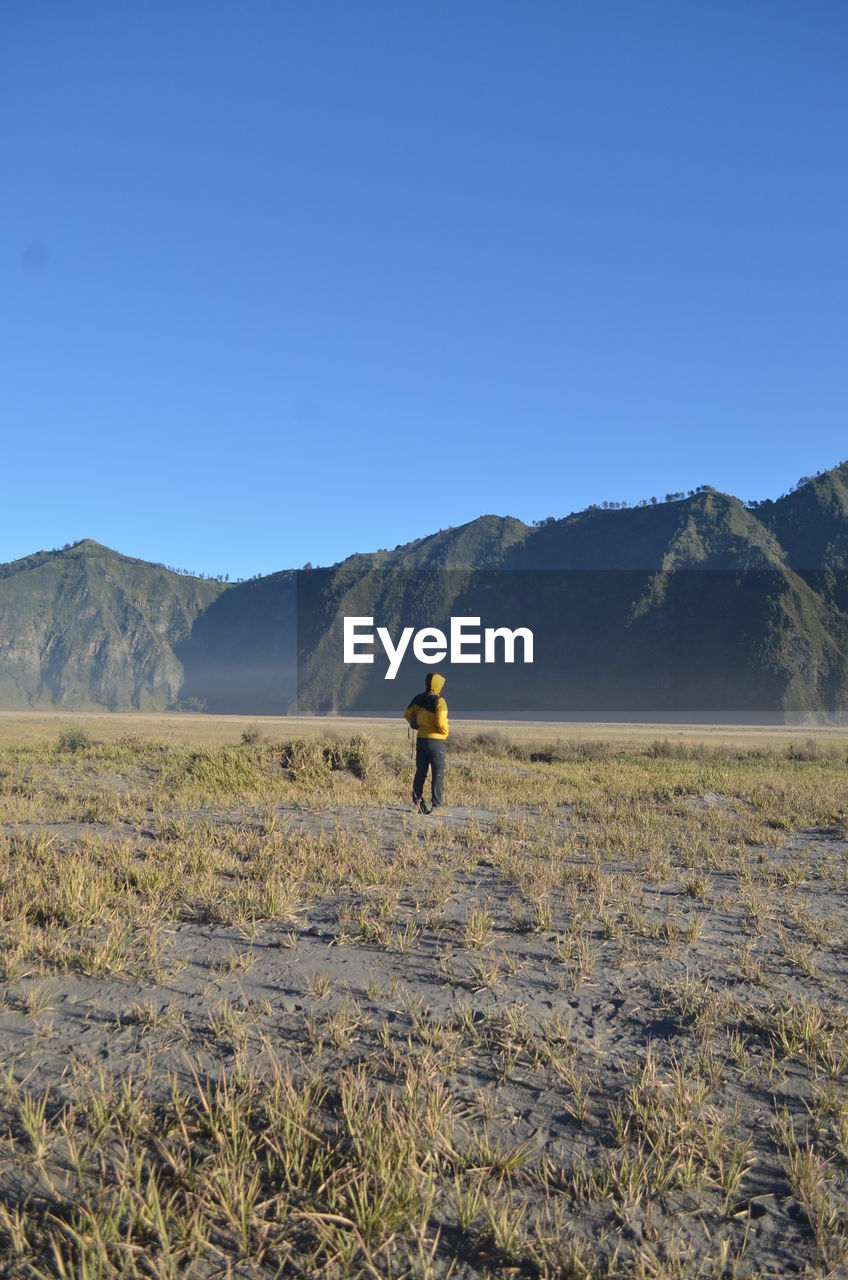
{"x": 700, "y": 604}
{"x": 811, "y": 524}
{"x": 87, "y": 627}
{"x": 686, "y": 606}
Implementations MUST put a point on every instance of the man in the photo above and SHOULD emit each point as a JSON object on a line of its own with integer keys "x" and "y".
{"x": 428, "y": 713}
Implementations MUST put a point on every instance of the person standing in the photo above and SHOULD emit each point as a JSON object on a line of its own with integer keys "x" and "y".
{"x": 428, "y": 713}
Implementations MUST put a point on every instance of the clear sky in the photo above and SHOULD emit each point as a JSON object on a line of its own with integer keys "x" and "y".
{"x": 281, "y": 281}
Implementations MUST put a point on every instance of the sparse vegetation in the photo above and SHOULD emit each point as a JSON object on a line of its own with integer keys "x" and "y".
{"x": 258, "y": 1018}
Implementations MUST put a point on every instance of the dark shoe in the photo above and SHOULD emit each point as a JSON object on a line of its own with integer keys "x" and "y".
{"x": 418, "y": 806}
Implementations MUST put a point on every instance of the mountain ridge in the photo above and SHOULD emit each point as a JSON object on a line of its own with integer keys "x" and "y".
{"x": 87, "y": 626}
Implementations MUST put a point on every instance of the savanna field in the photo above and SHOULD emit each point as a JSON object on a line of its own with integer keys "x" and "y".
{"x": 257, "y": 1018}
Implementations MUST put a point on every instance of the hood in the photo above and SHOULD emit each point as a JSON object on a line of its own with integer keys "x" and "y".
{"x": 435, "y": 683}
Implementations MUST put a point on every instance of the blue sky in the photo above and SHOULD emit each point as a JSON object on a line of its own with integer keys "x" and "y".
{"x": 281, "y": 281}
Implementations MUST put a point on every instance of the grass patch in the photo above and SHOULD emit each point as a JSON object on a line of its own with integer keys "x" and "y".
{"x": 258, "y": 1018}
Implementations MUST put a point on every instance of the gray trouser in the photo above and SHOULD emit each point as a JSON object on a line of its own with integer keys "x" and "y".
{"x": 430, "y": 753}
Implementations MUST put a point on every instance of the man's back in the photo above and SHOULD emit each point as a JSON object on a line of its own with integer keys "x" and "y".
{"x": 430, "y": 710}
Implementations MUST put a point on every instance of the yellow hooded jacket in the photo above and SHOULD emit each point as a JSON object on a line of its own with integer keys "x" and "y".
{"x": 429, "y": 710}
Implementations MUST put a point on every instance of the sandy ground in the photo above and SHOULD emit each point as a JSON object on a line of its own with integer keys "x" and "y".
{"x": 693, "y": 988}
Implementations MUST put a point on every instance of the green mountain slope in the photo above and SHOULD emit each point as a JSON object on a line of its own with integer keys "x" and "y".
{"x": 87, "y": 627}
{"x": 811, "y": 524}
